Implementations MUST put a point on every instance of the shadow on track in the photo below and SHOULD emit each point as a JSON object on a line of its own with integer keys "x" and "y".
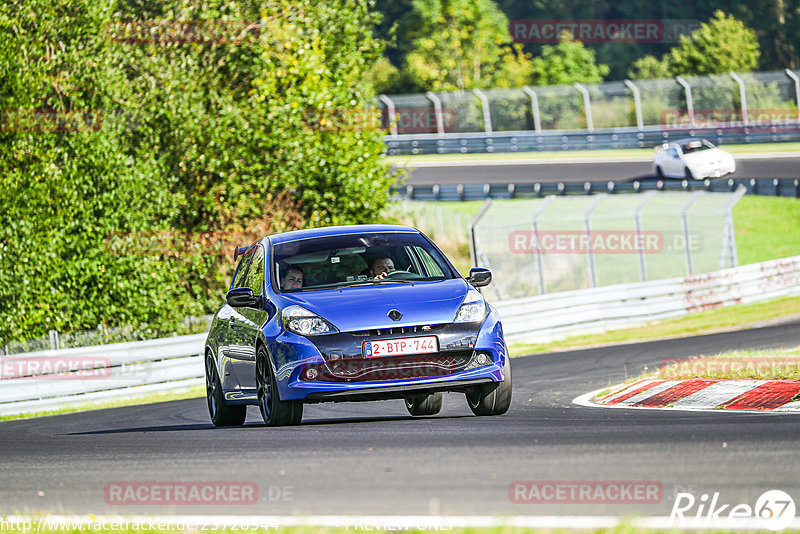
{"x": 209, "y": 426}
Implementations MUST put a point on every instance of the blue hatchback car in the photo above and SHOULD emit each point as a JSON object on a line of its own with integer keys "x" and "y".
{"x": 352, "y": 313}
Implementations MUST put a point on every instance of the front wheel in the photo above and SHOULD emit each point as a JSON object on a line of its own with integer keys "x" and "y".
{"x": 222, "y": 413}
{"x": 494, "y": 398}
{"x": 689, "y": 175}
{"x": 430, "y": 404}
{"x": 274, "y": 411}
{"x": 659, "y": 173}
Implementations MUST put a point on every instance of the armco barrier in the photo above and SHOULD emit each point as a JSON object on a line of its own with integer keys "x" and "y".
{"x": 611, "y": 138}
{"x": 125, "y": 370}
{"x": 98, "y": 373}
{"x": 589, "y": 311}
{"x": 780, "y": 187}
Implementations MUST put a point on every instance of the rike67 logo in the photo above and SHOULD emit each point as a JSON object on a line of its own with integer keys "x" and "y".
{"x": 773, "y": 510}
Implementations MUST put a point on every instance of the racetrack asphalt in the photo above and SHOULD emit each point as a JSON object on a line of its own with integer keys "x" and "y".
{"x": 373, "y": 458}
{"x": 596, "y": 171}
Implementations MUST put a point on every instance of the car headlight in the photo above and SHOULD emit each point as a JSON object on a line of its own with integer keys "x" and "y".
{"x": 301, "y": 321}
{"x": 473, "y": 309}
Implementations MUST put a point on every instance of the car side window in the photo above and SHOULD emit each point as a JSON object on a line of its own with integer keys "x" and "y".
{"x": 240, "y": 278}
{"x": 673, "y": 153}
{"x": 241, "y": 268}
{"x": 255, "y": 273}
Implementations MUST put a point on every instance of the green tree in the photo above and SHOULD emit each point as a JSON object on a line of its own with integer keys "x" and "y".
{"x": 567, "y": 62}
{"x": 648, "y": 67}
{"x": 461, "y": 45}
{"x": 723, "y": 44}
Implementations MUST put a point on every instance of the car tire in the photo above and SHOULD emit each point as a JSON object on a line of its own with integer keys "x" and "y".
{"x": 659, "y": 173}
{"x": 222, "y": 413}
{"x": 494, "y": 398}
{"x": 688, "y": 174}
{"x": 274, "y": 411}
{"x": 430, "y": 404}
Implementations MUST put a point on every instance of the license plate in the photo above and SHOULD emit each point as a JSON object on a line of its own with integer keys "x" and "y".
{"x": 400, "y": 347}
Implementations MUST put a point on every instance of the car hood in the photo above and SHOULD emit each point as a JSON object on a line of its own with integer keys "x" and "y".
{"x": 367, "y": 307}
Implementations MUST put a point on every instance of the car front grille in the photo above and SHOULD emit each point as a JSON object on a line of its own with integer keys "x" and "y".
{"x": 420, "y": 329}
{"x": 389, "y": 368}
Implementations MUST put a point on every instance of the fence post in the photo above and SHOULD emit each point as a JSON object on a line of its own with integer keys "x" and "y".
{"x": 737, "y": 195}
{"x": 392, "y": 113}
{"x": 686, "y": 242}
{"x": 54, "y": 341}
{"x": 539, "y": 264}
{"x": 473, "y": 242}
{"x": 689, "y": 105}
{"x": 742, "y": 97}
{"x": 587, "y": 106}
{"x": 537, "y": 119}
{"x": 637, "y": 219}
{"x": 487, "y": 117}
{"x": 637, "y": 103}
{"x": 796, "y": 81}
{"x": 437, "y": 108}
{"x": 588, "y": 227}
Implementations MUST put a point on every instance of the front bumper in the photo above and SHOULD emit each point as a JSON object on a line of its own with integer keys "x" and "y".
{"x": 342, "y": 373}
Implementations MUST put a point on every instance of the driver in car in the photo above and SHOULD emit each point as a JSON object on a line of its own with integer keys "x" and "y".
{"x": 381, "y": 267}
{"x": 291, "y": 276}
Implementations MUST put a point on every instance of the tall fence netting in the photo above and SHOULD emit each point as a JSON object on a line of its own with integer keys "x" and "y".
{"x": 556, "y": 243}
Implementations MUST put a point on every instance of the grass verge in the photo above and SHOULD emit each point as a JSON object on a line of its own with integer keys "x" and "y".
{"x": 150, "y": 398}
{"x": 704, "y": 322}
{"x": 766, "y": 228}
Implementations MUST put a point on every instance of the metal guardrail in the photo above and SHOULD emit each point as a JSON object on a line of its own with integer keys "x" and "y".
{"x": 551, "y": 140}
{"x": 591, "y": 311}
{"x": 782, "y": 187}
{"x": 56, "y": 379}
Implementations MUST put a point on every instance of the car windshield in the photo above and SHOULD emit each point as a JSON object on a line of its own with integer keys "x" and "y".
{"x": 356, "y": 260}
{"x": 696, "y": 146}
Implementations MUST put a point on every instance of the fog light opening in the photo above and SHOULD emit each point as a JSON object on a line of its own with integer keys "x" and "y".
{"x": 311, "y": 374}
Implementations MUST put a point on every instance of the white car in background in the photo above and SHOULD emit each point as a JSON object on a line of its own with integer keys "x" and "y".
{"x": 693, "y": 159}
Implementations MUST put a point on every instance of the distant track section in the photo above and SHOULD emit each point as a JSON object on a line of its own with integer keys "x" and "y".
{"x": 577, "y": 171}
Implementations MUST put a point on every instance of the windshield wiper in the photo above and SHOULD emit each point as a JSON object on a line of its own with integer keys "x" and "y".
{"x": 356, "y": 283}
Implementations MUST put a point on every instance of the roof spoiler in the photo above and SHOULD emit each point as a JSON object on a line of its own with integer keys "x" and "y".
{"x": 239, "y": 251}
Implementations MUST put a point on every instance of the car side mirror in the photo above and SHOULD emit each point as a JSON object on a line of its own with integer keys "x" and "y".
{"x": 242, "y": 297}
{"x": 479, "y": 276}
